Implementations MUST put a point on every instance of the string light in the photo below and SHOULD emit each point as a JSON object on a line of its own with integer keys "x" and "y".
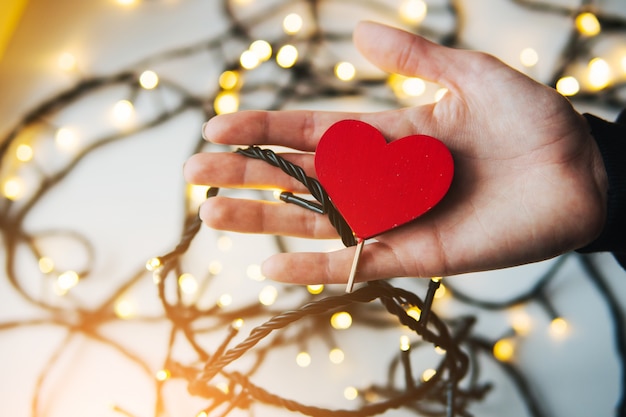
{"x": 162, "y": 375}
{"x": 229, "y": 80}
{"x": 237, "y": 324}
{"x": 587, "y": 24}
{"x": 568, "y": 86}
{"x": 13, "y": 188}
{"x": 226, "y": 102}
{"x": 287, "y": 56}
{"x": 520, "y": 322}
{"x": 249, "y": 60}
{"x": 188, "y": 284}
{"x": 153, "y": 264}
{"x": 46, "y": 265}
{"x": 315, "y": 289}
{"x": 428, "y": 374}
{"x": 599, "y": 73}
{"x": 254, "y": 272}
{"x": 66, "y": 281}
{"x": 225, "y": 300}
{"x": 558, "y": 327}
{"x": 414, "y": 312}
{"x": 529, "y": 57}
{"x": 124, "y": 308}
{"x": 262, "y": 49}
{"x": 292, "y": 23}
{"x": 405, "y": 343}
{"x": 303, "y": 359}
{"x": 345, "y": 71}
{"x": 336, "y": 356}
{"x": 413, "y": 11}
{"x": 350, "y": 393}
{"x": 126, "y": 2}
{"x": 123, "y": 112}
{"x": 148, "y": 80}
{"x": 66, "y": 62}
{"x": 66, "y": 139}
{"x": 215, "y": 267}
{"x": 504, "y": 350}
{"x": 24, "y": 152}
{"x": 341, "y": 320}
{"x": 268, "y": 295}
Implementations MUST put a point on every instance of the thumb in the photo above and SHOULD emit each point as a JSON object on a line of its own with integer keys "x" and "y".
{"x": 405, "y": 53}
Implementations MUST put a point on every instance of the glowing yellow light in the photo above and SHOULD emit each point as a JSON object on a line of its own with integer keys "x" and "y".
{"x": 439, "y": 350}
{"x": 440, "y": 93}
{"x": 341, "y": 320}
{"x": 162, "y": 375}
{"x": 125, "y": 308}
{"x": 345, "y": 71}
{"x": 441, "y": 291}
{"x": 148, "y": 80}
{"x": 287, "y": 56}
{"x": 188, "y": 284}
{"x": 292, "y": 23}
{"x": 254, "y": 272}
{"x": 624, "y": 64}
{"x": 528, "y": 57}
{"x": 520, "y": 321}
{"x": 350, "y": 393}
{"x": 24, "y": 152}
{"x": 428, "y": 374}
{"x": 204, "y": 413}
{"x": 414, "y": 312}
{"x": 13, "y": 188}
{"x": 66, "y": 61}
{"x": 153, "y": 264}
{"x": 405, "y": 343}
{"x": 568, "y": 86}
{"x": 196, "y": 195}
{"x": 503, "y": 350}
{"x": 226, "y": 102}
{"x": 123, "y": 111}
{"x": 413, "y": 87}
{"x": 336, "y": 356}
{"x": 413, "y": 11}
{"x": 224, "y": 243}
{"x": 558, "y": 327}
{"x": 303, "y": 359}
{"x": 229, "y": 80}
{"x": 215, "y": 267}
{"x": 67, "y": 280}
{"x": 587, "y": 24}
{"x": 225, "y": 300}
{"x": 268, "y": 295}
{"x": 237, "y": 324}
{"x": 66, "y": 139}
{"x": 126, "y": 2}
{"x": 599, "y": 73}
{"x": 262, "y": 49}
{"x": 249, "y": 60}
{"x": 315, "y": 289}
{"x": 46, "y": 265}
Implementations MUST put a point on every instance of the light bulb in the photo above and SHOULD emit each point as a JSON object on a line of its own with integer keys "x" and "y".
{"x": 215, "y": 267}
{"x": 148, "y": 80}
{"x": 292, "y": 23}
{"x": 162, "y": 375}
{"x": 66, "y": 62}
{"x": 123, "y": 112}
{"x": 125, "y": 308}
{"x": 350, "y": 393}
{"x": 315, "y": 289}
{"x": 303, "y": 359}
{"x": 66, "y": 139}
{"x": 254, "y": 272}
{"x": 268, "y": 295}
{"x": 287, "y": 56}
{"x": 188, "y": 284}
{"x": 153, "y": 264}
{"x": 528, "y": 57}
{"x": 67, "y": 280}
{"x": 414, "y": 312}
{"x": 413, "y": 11}
{"x": 345, "y": 71}
{"x": 405, "y": 343}
{"x": 504, "y": 350}
{"x": 413, "y": 87}
{"x": 341, "y": 320}
{"x": 249, "y": 60}
{"x": 336, "y": 356}
{"x": 46, "y": 265}
{"x": 587, "y": 24}
{"x": 13, "y": 188}
{"x": 24, "y": 152}
{"x": 229, "y": 80}
{"x": 428, "y": 374}
{"x": 225, "y": 300}
{"x": 568, "y": 86}
{"x": 226, "y": 102}
{"x": 262, "y": 49}
{"x": 558, "y": 327}
{"x": 599, "y": 73}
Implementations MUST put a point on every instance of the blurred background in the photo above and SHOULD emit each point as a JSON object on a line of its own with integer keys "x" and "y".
{"x": 101, "y": 103}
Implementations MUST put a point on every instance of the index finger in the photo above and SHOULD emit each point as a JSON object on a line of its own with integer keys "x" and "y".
{"x": 296, "y": 129}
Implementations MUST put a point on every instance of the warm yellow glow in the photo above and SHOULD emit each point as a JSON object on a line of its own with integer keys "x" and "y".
{"x": 204, "y": 413}
{"x": 225, "y": 300}
{"x": 413, "y": 11}
{"x": 568, "y": 86}
{"x": 249, "y": 60}
{"x": 215, "y": 267}
{"x": 413, "y": 87}
{"x": 123, "y": 111}
{"x": 414, "y": 312}
{"x": 303, "y": 359}
{"x": 24, "y": 152}
{"x": 229, "y": 80}
{"x": 428, "y": 374}
{"x": 558, "y": 327}
{"x": 125, "y": 308}
{"x": 66, "y": 62}
{"x": 292, "y": 23}
{"x": 287, "y": 56}
{"x": 66, "y": 139}
{"x": 599, "y": 73}
{"x": 341, "y": 320}
{"x": 254, "y": 272}
{"x": 336, "y": 356}
{"x": 624, "y": 64}
{"x": 503, "y": 350}
{"x": 268, "y": 295}
{"x": 441, "y": 292}
{"x": 148, "y": 80}
{"x": 188, "y": 283}
{"x": 315, "y": 289}
{"x": 350, "y": 393}
{"x": 162, "y": 375}
{"x": 405, "y": 343}
{"x": 13, "y": 188}
{"x": 345, "y": 71}
{"x": 588, "y": 24}
{"x": 67, "y": 280}
{"x": 237, "y": 324}
{"x": 440, "y": 93}
{"x": 226, "y": 102}
{"x": 439, "y": 350}
{"x": 262, "y": 49}
{"x": 46, "y": 265}
{"x": 528, "y": 57}
{"x": 153, "y": 264}
{"x": 520, "y": 321}
{"x": 126, "y": 2}
{"x": 224, "y": 243}
{"x": 196, "y": 195}
{"x": 223, "y": 386}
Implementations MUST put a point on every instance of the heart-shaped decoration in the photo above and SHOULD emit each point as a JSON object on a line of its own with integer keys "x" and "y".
{"x": 376, "y": 185}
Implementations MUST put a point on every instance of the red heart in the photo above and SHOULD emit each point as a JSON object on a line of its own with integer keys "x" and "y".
{"x": 376, "y": 185}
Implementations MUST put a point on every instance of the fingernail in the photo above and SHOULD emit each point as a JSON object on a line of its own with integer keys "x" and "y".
{"x": 203, "y": 127}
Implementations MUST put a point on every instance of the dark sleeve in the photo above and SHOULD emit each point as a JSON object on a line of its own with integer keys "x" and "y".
{"x": 611, "y": 140}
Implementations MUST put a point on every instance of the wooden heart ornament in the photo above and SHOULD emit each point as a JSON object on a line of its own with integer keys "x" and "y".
{"x": 376, "y": 185}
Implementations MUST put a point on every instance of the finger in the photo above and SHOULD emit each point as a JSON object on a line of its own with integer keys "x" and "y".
{"x": 297, "y": 129}
{"x": 232, "y": 170}
{"x": 251, "y": 216}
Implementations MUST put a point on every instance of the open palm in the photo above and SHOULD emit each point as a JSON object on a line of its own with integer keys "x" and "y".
{"x": 529, "y": 182}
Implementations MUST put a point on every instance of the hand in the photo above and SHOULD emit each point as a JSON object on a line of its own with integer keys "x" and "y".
{"x": 529, "y": 181}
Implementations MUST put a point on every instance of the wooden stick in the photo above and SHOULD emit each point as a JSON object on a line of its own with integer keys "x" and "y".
{"x": 355, "y": 263}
